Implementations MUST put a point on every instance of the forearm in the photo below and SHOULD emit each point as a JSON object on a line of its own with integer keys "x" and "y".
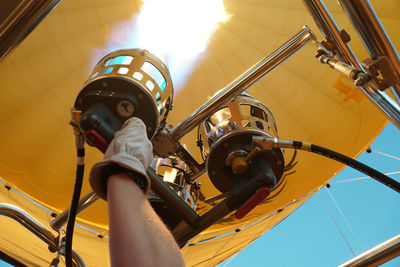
{"x": 137, "y": 235}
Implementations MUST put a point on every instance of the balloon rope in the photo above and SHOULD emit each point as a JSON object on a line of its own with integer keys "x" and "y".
{"x": 337, "y": 226}
{"x": 344, "y": 218}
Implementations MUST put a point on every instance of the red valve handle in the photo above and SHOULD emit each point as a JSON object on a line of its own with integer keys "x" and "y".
{"x": 261, "y": 194}
{"x": 95, "y": 139}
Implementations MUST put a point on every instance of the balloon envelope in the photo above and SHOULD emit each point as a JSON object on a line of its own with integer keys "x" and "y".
{"x": 205, "y": 47}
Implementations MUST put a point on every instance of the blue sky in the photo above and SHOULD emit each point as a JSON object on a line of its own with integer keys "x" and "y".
{"x": 309, "y": 236}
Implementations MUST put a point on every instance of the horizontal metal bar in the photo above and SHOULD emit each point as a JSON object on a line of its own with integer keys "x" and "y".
{"x": 27, "y": 15}
{"x": 378, "y": 255}
{"x": 29, "y": 223}
{"x": 62, "y": 218}
{"x": 243, "y": 82}
{"x": 36, "y": 228}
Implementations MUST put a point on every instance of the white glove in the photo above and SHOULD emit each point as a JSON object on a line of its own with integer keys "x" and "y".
{"x": 130, "y": 148}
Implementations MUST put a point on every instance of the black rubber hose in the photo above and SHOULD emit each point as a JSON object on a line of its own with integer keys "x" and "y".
{"x": 73, "y": 209}
{"x": 380, "y": 177}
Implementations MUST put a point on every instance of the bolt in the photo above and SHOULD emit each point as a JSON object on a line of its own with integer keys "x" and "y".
{"x": 345, "y": 36}
{"x": 213, "y": 173}
{"x": 226, "y": 145}
{"x": 105, "y": 84}
{"x": 279, "y": 163}
{"x": 140, "y": 96}
{"x": 97, "y": 123}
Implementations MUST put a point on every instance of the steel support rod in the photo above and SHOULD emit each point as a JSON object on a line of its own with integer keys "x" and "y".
{"x": 378, "y": 255}
{"x": 62, "y": 218}
{"x": 29, "y": 223}
{"x": 371, "y": 31}
{"x": 27, "y": 15}
{"x": 36, "y": 228}
{"x": 330, "y": 30}
{"x": 243, "y": 82}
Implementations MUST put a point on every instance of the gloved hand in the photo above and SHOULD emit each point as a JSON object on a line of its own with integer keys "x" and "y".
{"x": 130, "y": 148}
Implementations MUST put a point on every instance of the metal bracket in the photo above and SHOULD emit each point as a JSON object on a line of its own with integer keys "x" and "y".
{"x": 164, "y": 145}
{"x": 382, "y": 72}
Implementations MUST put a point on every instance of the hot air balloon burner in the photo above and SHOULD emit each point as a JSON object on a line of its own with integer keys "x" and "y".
{"x": 123, "y": 84}
{"x": 226, "y": 141}
{"x": 172, "y": 171}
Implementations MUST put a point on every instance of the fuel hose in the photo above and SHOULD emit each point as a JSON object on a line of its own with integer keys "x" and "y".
{"x": 74, "y": 206}
{"x": 380, "y": 177}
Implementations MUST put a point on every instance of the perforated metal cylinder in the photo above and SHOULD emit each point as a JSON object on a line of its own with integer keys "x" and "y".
{"x": 140, "y": 75}
{"x": 242, "y": 114}
{"x": 228, "y": 134}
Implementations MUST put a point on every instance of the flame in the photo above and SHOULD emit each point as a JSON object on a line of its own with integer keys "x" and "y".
{"x": 177, "y": 31}
{"x": 170, "y": 175}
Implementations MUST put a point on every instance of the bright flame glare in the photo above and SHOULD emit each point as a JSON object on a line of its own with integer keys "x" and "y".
{"x": 177, "y": 31}
{"x": 170, "y": 175}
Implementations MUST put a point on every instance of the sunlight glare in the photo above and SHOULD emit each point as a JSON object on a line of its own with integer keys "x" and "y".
{"x": 177, "y": 31}
{"x": 170, "y": 175}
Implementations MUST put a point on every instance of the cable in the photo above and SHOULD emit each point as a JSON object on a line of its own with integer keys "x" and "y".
{"x": 344, "y": 218}
{"x": 337, "y": 225}
{"x": 74, "y": 205}
{"x": 393, "y": 157}
{"x": 380, "y": 177}
{"x": 360, "y": 178}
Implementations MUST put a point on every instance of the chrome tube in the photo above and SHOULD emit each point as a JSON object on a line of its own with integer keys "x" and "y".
{"x": 374, "y": 37}
{"x": 29, "y": 223}
{"x": 330, "y": 30}
{"x": 36, "y": 228}
{"x": 27, "y": 15}
{"x": 371, "y": 31}
{"x": 62, "y": 218}
{"x": 378, "y": 255}
{"x": 243, "y": 82}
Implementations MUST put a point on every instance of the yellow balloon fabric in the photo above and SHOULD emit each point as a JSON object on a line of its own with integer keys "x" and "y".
{"x": 40, "y": 80}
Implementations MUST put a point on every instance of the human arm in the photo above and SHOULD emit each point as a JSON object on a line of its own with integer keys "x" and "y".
{"x": 137, "y": 235}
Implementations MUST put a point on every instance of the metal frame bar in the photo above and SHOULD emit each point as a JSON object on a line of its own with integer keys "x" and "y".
{"x": 61, "y": 219}
{"x": 193, "y": 220}
{"x": 373, "y": 35}
{"x": 243, "y": 82}
{"x": 378, "y": 255}
{"x": 27, "y": 15}
{"x": 36, "y": 228}
{"x": 330, "y": 30}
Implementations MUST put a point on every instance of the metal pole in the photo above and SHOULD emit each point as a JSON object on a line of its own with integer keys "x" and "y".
{"x": 62, "y": 218}
{"x": 371, "y": 31}
{"x": 374, "y": 37}
{"x": 21, "y": 22}
{"x": 330, "y": 30}
{"x": 36, "y": 228}
{"x": 243, "y": 82}
{"x": 29, "y": 223}
{"x": 378, "y": 255}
